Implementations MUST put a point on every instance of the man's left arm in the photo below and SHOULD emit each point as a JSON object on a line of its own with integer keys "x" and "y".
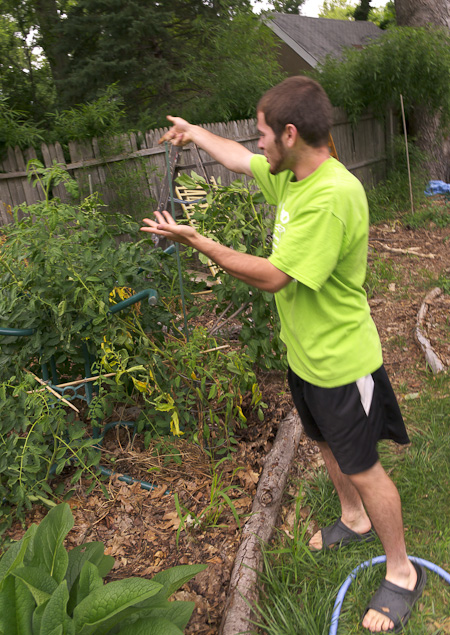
{"x": 255, "y": 271}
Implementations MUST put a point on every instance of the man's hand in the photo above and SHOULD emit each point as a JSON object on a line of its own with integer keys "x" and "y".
{"x": 254, "y": 270}
{"x": 179, "y": 133}
{"x": 164, "y": 225}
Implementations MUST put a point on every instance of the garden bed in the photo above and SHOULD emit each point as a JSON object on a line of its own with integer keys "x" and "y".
{"x": 140, "y": 528}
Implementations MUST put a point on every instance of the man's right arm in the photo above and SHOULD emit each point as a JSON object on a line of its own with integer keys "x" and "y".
{"x": 231, "y": 154}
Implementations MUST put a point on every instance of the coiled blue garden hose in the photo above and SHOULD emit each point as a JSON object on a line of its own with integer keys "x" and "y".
{"x": 344, "y": 588}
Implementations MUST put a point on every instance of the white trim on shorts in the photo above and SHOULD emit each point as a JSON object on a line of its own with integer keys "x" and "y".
{"x": 365, "y": 386}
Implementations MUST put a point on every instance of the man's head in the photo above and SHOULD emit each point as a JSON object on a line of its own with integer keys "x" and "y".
{"x": 302, "y": 102}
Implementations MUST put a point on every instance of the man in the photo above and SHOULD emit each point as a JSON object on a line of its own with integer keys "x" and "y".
{"x": 317, "y": 270}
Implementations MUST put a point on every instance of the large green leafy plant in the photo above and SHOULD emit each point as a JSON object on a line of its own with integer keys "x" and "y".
{"x": 38, "y": 438}
{"x": 237, "y": 217}
{"x": 59, "y": 268}
{"x": 47, "y": 590}
{"x": 193, "y": 387}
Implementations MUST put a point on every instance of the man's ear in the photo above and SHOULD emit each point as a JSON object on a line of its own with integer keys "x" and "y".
{"x": 290, "y": 134}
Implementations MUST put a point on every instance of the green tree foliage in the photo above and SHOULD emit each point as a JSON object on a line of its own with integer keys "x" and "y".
{"x": 195, "y": 56}
{"x": 337, "y": 10}
{"x": 384, "y": 17}
{"x": 288, "y": 6}
{"x": 362, "y": 10}
{"x": 206, "y": 59}
{"x": 102, "y": 117}
{"x": 24, "y": 80}
{"x": 15, "y": 129}
{"x": 411, "y": 62}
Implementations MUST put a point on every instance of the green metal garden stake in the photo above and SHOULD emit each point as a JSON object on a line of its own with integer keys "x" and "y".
{"x": 177, "y": 246}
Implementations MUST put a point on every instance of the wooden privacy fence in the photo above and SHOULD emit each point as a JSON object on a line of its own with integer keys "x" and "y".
{"x": 128, "y": 170}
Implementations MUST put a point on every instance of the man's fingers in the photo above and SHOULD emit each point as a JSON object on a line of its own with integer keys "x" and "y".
{"x": 176, "y": 134}
{"x": 167, "y": 216}
{"x": 163, "y": 219}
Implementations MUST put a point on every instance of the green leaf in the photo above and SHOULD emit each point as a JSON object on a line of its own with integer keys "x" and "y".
{"x": 152, "y": 626}
{"x": 16, "y": 608}
{"x": 39, "y": 582}
{"x": 62, "y": 308}
{"x": 103, "y": 608}
{"x": 177, "y": 612}
{"x": 174, "y": 578}
{"x": 14, "y": 556}
{"x": 25, "y": 607}
{"x": 89, "y": 580}
{"x": 87, "y": 552}
{"x": 8, "y": 623}
{"x": 49, "y": 551}
{"x": 55, "y": 620}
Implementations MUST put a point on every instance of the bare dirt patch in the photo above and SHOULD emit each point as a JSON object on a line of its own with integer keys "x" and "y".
{"x": 139, "y": 527}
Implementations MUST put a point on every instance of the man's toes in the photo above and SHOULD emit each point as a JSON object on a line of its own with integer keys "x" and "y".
{"x": 316, "y": 541}
{"x": 377, "y": 622}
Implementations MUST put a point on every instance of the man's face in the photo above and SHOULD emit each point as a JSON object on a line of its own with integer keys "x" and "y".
{"x": 274, "y": 150}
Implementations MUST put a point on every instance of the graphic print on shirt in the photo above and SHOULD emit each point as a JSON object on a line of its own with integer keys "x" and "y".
{"x": 282, "y": 221}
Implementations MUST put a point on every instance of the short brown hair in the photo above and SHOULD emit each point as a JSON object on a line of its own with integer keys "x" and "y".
{"x": 300, "y": 101}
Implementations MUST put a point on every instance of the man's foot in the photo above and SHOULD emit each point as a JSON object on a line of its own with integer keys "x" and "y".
{"x": 339, "y": 535}
{"x": 390, "y": 608}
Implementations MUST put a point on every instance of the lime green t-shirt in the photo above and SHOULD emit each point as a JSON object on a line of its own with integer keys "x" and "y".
{"x": 320, "y": 239}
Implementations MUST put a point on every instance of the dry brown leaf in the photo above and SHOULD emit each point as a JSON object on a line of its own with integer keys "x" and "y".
{"x": 150, "y": 535}
{"x": 248, "y": 478}
{"x": 243, "y": 502}
{"x": 173, "y": 520}
{"x": 158, "y": 493}
{"x": 215, "y": 560}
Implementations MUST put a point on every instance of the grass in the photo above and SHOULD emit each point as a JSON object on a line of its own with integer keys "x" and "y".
{"x": 390, "y": 199}
{"x": 380, "y": 274}
{"x": 299, "y": 588}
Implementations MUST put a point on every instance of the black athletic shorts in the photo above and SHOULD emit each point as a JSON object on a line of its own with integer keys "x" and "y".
{"x": 349, "y": 418}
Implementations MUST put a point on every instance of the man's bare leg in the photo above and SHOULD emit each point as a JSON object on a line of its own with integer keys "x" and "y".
{"x": 373, "y": 490}
{"x": 382, "y": 501}
{"x": 353, "y": 513}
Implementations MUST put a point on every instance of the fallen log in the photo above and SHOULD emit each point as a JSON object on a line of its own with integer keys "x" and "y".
{"x": 243, "y": 592}
{"x": 430, "y": 356}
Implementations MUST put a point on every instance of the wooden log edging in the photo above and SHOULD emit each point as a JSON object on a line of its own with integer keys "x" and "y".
{"x": 430, "y": 356}
{"x": 243, "y": 592}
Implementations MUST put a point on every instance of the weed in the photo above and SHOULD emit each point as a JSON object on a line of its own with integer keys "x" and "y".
{"x": 438, "y": 214}
{"x": 397, "y": 341}
{"x": 219, "y": 500}
{"x": 444, "y": 282}
{"x": 380, "y": 273}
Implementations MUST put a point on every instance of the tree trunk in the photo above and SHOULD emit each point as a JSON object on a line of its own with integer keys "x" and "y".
{"x": 49, "y": 21}
{"x": 425, "y": 125}
{"x": 431, "y": 140}
{"x": 422, "y": 12}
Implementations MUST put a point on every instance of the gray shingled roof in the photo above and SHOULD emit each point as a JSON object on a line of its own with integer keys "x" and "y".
{"x": 314, "y": 38}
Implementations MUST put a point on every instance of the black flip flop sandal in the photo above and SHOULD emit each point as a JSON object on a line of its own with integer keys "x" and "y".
{"x": 339, "y": 535}
{"x": 395, "y": 602}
